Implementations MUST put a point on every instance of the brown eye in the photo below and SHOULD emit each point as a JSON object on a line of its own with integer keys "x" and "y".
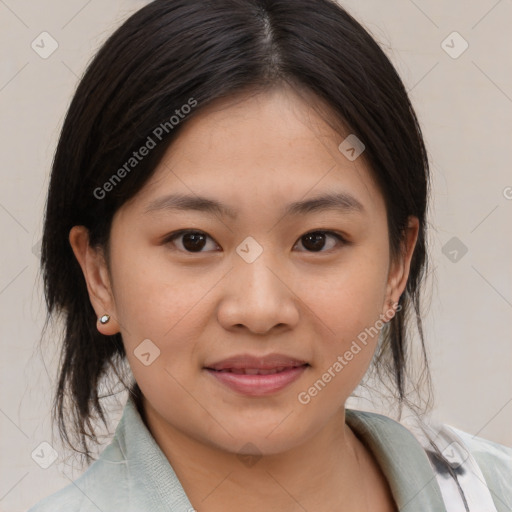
{"x": 315, "y": 241}
{"x": 193, "y": 241}
{"x": 189, "y": 241}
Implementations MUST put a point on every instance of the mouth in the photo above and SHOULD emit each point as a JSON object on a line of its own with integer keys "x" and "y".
{"x": 254, "y": 371}
{"x": 257, "y": 376}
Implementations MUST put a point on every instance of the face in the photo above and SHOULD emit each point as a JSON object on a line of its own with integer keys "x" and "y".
{"x": 253, "y": 321}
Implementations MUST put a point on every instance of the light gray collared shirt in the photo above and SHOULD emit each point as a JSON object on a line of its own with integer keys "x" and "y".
{"x": 132, "y": 473}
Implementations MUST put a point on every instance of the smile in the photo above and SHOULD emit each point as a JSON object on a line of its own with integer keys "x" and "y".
{"x": 253, "y": 376}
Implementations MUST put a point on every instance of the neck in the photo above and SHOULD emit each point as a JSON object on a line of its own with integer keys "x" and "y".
{"x": 324, "y": 470}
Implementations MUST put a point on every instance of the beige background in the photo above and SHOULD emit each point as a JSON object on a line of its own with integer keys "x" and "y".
{"x": 465, "y": 107}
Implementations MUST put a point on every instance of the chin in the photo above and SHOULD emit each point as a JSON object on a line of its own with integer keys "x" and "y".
{"x": 258, "y": 438}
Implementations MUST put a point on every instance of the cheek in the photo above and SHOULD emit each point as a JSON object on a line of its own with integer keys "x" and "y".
{"x": 343, "y": 356}
{"x": 351, "y": 298}
{"x": 348, "y": 307}
{"x": 156, "y": 304}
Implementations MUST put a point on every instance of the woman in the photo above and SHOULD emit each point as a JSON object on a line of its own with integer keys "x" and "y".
{"x": 237, "y": 208}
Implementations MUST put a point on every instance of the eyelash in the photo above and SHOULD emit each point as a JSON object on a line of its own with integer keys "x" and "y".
{"x": 341, "y": 240}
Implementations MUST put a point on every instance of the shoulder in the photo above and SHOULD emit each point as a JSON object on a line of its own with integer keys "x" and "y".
{"x": 480, "y": 469}
{"x": 495, "y": 463}
{"x": 469, "y": 470}
{"x": 488, "y": 453}
{"x": 100, "y": 487}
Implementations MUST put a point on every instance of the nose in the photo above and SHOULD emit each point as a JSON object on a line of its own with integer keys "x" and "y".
{"x": 258, "y": 297}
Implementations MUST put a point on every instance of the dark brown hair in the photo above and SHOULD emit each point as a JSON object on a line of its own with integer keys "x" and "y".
{"x": 167, "y": 53}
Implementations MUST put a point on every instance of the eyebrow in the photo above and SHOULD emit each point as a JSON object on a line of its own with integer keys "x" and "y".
{"x": 340, "y": 201}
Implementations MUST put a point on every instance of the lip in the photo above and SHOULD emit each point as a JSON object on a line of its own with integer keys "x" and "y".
{"x": 267, "y": 362}
{"x": 265, "y": 375}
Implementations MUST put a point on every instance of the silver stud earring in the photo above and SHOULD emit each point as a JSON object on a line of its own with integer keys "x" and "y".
{"x": 104, "y": 319}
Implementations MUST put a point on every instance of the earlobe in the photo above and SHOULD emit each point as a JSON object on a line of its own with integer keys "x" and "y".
{"x": 107, "y": 330}
{"x": 94, "y": 269}
{"x": 399, "y": 274}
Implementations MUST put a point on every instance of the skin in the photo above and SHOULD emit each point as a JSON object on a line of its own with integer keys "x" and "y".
{"x": 255, "y": 154}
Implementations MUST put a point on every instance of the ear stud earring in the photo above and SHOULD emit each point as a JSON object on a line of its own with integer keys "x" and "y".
{"x": 104, "y": 319}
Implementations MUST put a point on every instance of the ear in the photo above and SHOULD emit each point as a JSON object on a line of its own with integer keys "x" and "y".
{"x": 96, "y": 275}
{"x": 399, "y": 270}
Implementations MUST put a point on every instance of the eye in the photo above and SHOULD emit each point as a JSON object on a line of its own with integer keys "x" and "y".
{"x": 189, "y": 240}
{"x": 315, "y": 241}
{"x": 194, "y": 241}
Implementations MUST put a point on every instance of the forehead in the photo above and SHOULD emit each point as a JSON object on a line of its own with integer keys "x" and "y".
{"x": 270, "y": 148}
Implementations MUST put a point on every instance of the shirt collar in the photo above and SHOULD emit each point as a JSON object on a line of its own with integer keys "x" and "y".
{"x": 147, "y": 464}
{"x": 399, "y": 454}
{"x": 402, "y": 459}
